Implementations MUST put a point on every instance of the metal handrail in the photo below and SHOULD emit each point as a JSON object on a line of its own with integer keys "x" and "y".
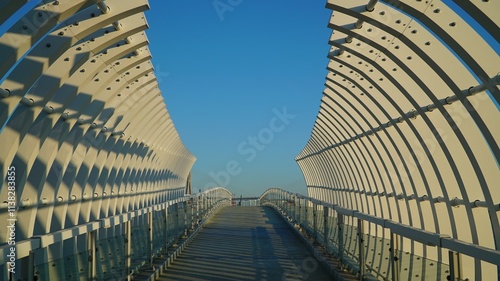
{"x": 26, "y": 246}
{"x": 416, "y": 234}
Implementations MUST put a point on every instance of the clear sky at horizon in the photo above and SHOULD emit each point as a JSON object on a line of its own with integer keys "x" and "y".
{"x": 242, "y": 81}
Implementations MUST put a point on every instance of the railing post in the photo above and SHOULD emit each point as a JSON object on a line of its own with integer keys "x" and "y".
{"x": 326, "y": 226}
{"x": 306, "y": 213}
{"x": 28, "y": 267}
{"x": 280, "y": 200}
{"x": 455, "y": 266}
{"x": 203, "y": 205}
{"x": 294, "y": 198}
{"x": 197, "y": 209}
{"x": 128, "y": 249}
{"x": 394, "y": 257}
{"x": 166, "y": 227}
{"x": 300, "y": 211}
{"x": 283, "y": 200}
{"x": 193, "y": 213}
{"x": 176, "y": 207}
{"x": 361, "y": 250}
{"x": 200, "y": 209}
{"x": 91, "y": 240}
{"x": 289, "y": 204}
{"x": 150, "y": 230}
{"x": 315, "y": 224}
{"x": 340, "y": 226}
{"x": 184, "y": 221}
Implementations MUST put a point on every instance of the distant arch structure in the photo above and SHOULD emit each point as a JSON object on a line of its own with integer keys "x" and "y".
{"x": 84, "y": 131}
{"x": 408, "y": 127}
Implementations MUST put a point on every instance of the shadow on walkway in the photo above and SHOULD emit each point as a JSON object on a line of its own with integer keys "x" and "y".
{"x": 246, "y": 243}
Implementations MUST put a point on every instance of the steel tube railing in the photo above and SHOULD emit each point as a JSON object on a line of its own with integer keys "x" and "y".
{"x": 349, "y": 243}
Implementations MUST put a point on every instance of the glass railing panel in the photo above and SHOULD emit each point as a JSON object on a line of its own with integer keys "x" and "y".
{"x": 74, "y": 267}
{"x": 413, "y": 267}
{"x": 288, "y": 205}
{"x": 172, "y": 224}
{"x": 333, "y": 245}
{"x": 140, "y": 250}
{"x": 292, "y": 213}
{"x": 377, "y": 256}
{"x": 303, "y": 216}
{"x": 110, "y": 258}
{"x": 310, "y": 220}
{"x": 159, "y": 230}
{"x": 182, "y": 218}
{"x": 351, "y": 247}
{"x": 320, "y": 224}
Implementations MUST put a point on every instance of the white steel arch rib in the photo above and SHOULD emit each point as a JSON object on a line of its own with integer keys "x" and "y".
{"x": 82, "y": 119}
{"x": 408, "y": 124}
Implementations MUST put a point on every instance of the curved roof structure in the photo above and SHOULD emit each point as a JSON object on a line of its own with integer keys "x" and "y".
{"x": 408, "y": 124}
{"x": 83, "y": 124}
{"x": 406, "y": 136}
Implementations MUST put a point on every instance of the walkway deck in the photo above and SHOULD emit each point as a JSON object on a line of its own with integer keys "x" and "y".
{"x": 246, "y": 243}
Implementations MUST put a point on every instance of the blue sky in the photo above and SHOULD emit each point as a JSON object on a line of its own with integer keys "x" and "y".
{"x": 242, "y": 81}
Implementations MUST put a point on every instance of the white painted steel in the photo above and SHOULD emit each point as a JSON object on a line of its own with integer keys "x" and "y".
{"x": 83, "y": 122}
{"x": 401, "y": 133}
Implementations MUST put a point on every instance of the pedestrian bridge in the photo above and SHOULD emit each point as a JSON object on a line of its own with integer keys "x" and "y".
{"x": 402, "y": 166}
{"x": 246, "y": 243}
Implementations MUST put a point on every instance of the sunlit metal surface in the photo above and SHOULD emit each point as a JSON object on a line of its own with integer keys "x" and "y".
{"x": 408, "y": 125}
{"x": 85, "y": 127}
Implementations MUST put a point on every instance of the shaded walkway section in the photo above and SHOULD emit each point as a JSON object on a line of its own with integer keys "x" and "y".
{"x": 246, "y": 243}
